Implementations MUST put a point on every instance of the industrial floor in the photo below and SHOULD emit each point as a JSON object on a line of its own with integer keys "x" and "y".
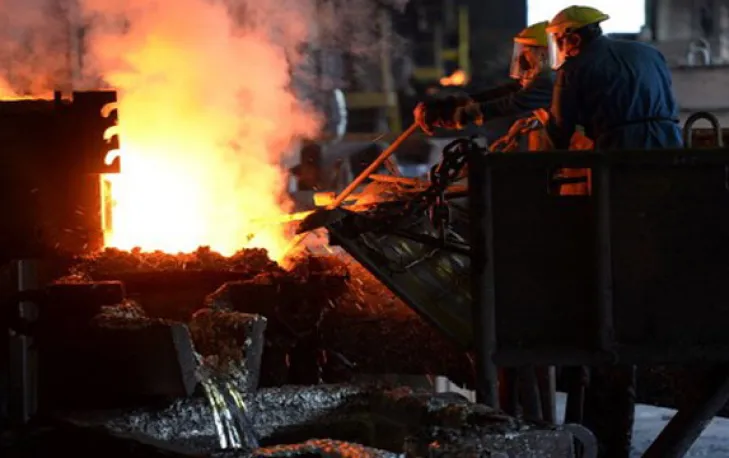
{"x": 649, "y": 420}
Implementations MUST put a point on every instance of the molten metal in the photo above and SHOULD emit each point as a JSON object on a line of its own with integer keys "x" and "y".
{"x": 205, "y": 116}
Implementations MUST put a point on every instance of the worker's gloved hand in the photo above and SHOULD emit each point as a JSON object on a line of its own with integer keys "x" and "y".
{"x": 469, "y": 113}
{"x": 443, "y": 113}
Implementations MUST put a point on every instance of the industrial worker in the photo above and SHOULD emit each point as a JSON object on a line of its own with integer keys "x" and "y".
{"x": 531, "y": 89}
{"x": 529, "y": 94}
{"x": 620, "y": 91}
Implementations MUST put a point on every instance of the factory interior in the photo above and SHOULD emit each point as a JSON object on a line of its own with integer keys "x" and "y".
{"x": 364, "y": 228}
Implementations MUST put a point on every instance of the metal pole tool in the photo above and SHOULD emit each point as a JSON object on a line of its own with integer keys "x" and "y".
{"x": 321, "y": 217}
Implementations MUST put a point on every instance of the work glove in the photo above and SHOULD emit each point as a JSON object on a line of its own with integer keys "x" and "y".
{"x": 445, "y": 113}
{"x": 469, "y": 113}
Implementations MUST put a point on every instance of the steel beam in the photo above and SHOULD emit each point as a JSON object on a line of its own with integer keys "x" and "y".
{"x": 687, "y": 425}
{"x": 482, "y": 280}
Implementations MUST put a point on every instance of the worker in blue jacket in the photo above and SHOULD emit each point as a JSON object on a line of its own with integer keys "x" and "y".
{"x": 619, "y": 91}
{"x": 531, "y": 89}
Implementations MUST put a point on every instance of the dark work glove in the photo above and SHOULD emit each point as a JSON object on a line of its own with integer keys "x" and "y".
{"x": 443, "y": 113}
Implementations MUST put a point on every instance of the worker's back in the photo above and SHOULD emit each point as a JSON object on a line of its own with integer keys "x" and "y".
{"x": 625, "y": 95}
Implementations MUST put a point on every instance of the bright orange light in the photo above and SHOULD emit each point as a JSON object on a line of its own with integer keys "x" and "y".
{"x": 205, "y": 116}
{"x": 457, "y": 78}
{"x": 7, "y": 93}
{"x": 182, "y": 187}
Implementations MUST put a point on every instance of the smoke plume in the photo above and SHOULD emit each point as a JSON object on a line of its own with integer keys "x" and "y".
{"x": 34, "y": 47}
{"x": 206, "y": 108}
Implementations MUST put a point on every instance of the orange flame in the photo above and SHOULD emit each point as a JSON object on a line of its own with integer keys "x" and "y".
{"x": 205, "y": 116}
{"x": 457, "y": 78}
{"x": 7, "y": 93}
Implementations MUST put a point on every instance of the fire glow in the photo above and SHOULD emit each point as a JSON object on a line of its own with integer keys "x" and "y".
{"x": 205, "y": 116}
{"x": 457, "y": 78}
{"x": 205, "y": 107}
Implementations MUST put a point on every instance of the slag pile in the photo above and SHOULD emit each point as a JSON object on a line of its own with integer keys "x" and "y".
{"x": 326, "y": 319}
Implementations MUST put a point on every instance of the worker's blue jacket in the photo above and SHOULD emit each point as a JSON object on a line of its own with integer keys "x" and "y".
{"x": 620, "y": 92}
{"x": 519, "y": 101}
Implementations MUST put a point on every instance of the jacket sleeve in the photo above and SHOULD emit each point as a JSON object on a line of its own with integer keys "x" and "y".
{"x": 563, "y": 111}
{"x": 533, "y": 97}
{"x": 496, "y": 92}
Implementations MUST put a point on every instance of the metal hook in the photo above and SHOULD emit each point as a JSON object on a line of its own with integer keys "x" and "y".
{"x": 715, "y": 125}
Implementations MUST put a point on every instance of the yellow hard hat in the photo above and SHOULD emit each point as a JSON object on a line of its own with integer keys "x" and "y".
{"x": 534, "y": 35}
{"x": 575, "y": 17}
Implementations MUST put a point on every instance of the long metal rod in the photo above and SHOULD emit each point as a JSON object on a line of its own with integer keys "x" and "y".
{"x": 400, "y": 180}
{"x": 373, "y": 166}
{"x": 482, "y": 281}
{"x": 547, "y": 380}
{"x": 689, "y": 422}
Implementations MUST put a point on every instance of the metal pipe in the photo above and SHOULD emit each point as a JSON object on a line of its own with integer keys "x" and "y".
{"x": 340, "y": 103}
{"x": 529, "y": 394}
{"x": 576, "y": 378}
{"x": 604, "y": 282}
{"x": 687, "y": 425}
{"x": 547, "y": 380}
{"x": 374, "y": 166}
{"x": 483, "y": 315}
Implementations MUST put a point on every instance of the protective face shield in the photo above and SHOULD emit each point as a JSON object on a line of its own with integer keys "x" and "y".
{"x": 527, "y": 61}
{"x": 557, "y": 46}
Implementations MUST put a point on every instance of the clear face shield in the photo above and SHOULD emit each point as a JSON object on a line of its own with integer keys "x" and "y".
{"x": 527, "y": 61}
{"x": 557, "y": 50}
